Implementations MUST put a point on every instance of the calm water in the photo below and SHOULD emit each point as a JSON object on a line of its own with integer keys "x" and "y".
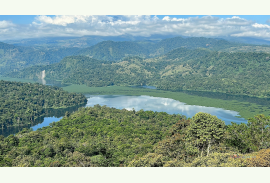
{"x": 46, "y": 122}
{"x": 129, "y": 102}
{"x": 146, "y": 103}
{"x": 161, "y": 105}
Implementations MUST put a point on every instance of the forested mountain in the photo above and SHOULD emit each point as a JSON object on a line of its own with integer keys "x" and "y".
{"x": 81, "y": 42}
{"x": 113, "y": 51}
{"x": 166, "y": 45}
{"x": 243, "y": 73}
{"x": 248, "y": 40}
{"x": 14, "y": 58}
{"x": 22, "y": 103}
{"x": 108, "y": 137}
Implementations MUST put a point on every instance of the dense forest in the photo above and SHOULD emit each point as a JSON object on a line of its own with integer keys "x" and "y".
{"x": 23, "y": 103}
{"x": 102, "y": 136}
{"x": 239, "y": 73}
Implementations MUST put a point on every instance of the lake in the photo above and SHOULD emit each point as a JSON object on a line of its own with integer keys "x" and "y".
{"x": 161, "y": 105}
{"x": 149, "y": 103}
{"x": 50, "y": 115}
{"x": 143, "y": 102}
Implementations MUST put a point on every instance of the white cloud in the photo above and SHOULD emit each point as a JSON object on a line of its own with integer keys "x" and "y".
{"x": 61, "y": 20}
{"x": 256, "y": 25}
{"x": 6, "y": 24}
{"x": 137, "y": 25}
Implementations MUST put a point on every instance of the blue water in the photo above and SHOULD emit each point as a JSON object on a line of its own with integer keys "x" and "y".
{"x": 46, "y": 122}
{"x": 161, "y": 105}
{"x": 154, "y": 104}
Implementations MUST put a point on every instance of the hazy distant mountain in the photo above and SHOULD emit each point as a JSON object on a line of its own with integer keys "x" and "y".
{"x": 43, "y": 51}
{"x": 248, "y": 40}
{"x": 113, "y": 51}
{"x": 13, "y": 58}
{"x": 81, "y": 42}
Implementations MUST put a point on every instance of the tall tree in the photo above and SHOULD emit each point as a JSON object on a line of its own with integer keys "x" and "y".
{"x": 259, "y": 129}
{"x": 206, "y": 130}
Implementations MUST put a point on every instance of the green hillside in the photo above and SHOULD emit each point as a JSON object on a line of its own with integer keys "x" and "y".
{"x": 108, "y": 137}
{"x": 22, "y": 103}
{"x": 113, "y": 51}
{"x": 200, "y": 69}
{"x": 14, "y": 58}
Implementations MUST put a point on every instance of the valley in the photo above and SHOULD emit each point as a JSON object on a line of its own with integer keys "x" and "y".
{"x": 174, "y": 102}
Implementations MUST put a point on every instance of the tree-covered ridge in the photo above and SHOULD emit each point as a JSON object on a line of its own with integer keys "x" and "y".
{"x": 236, "y": 73}
{"x": 242, "y": 73}
{"x": 14, "y": 58}
{"x": 103, "y": 136}
{"x": 113, "y": 51}
{"x": 22, "y": 103}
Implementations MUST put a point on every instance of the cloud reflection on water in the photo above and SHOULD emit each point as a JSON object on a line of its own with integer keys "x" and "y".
{"x": 161, "y": 105}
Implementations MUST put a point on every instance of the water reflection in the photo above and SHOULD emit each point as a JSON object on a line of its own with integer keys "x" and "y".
{"x": 51, "y": 115}
{"x": 161, "y": 105}
{"x": 131, "y": 102}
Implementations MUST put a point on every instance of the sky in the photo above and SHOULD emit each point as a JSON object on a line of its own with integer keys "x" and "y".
{"x": 36, "y": 26}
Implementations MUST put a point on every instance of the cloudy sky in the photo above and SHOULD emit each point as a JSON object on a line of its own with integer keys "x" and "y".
{"x": 30, "y": 26}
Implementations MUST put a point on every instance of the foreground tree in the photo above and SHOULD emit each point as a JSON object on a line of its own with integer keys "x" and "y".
{"x": 206, "y": 130}
{"x": 259, "y": 131}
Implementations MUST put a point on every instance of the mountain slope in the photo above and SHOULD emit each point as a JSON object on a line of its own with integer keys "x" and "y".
{"x": 241, "y": 73}
{"x": 14, "y": 58}
{"x": 112, "y": 51}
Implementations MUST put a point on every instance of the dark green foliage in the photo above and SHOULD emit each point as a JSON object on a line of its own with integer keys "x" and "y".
{"x": 251, "y": 137}
{"x": 22, "y": 103}
{"x": 102, "y": 136}
{"x": 99, "y": 136}
{"x": 235, "y": 73}
{"x": 205, "y": 130}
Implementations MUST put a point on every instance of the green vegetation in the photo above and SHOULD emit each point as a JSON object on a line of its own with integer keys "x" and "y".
{"x": 113, "y": 51}
{"x": 22, "y": 103}
{"x": 205, "y": 130}
{"x": 15, "y": 58}
{"x": 102, "y": 136}
{"x": 181, "y": 69}
{"x": 17, "y": 79}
